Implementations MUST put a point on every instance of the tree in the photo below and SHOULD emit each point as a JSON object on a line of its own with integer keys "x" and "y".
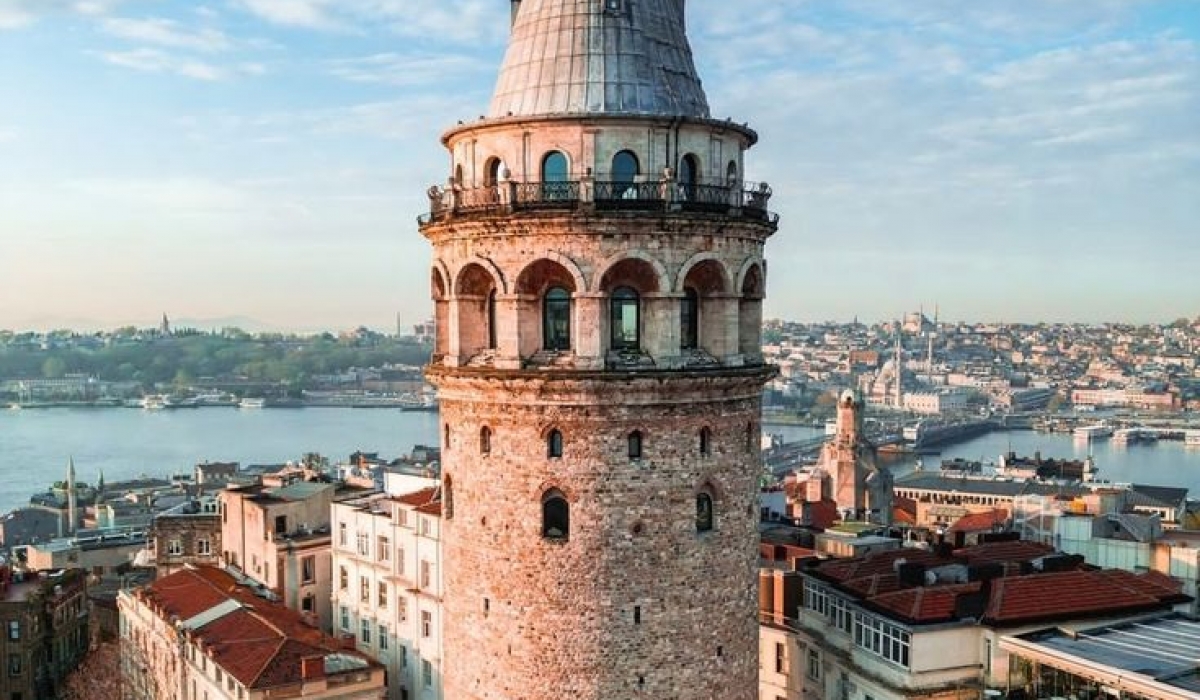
{"x": 54, "y": 368}
{"x": 99, "y": 676}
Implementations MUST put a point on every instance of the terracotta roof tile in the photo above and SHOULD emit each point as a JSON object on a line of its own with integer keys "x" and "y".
{"x": 258, "y": 642}
{"x": 419, "y": 498}
{"x": 1072, "y": 594}
{"x": 981, "y": 522}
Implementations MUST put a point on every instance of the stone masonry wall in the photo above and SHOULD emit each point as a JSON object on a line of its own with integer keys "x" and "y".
{"x": 636, "y": 603}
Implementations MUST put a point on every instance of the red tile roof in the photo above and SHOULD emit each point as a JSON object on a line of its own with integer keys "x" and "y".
{"x": 986, "y": 521}
{"x": 419, "y": 498}
{"x": 258, "y": 642}
{"x": 924, "y": 604}
{"x": 1075, "y": 594}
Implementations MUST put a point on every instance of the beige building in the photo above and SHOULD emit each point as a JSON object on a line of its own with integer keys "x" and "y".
{"x": 199, "y": 633}
{"x": 387, "y": 594}
{"x": 279, "y": 536}
{"x": 190, "y": 533}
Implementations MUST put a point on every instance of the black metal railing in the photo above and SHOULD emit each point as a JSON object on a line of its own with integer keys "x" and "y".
{"x": 744, "y": 200}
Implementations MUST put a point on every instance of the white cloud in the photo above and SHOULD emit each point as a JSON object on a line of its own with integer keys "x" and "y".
{"x": 156, "y": 61}
{"x": 168, "y": 33}
{"x": 448, "y": 20}
{"x": 407, "y": 70}
{"x": 15, "y": 14}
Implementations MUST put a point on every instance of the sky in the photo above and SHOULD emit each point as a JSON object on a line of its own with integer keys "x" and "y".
{"x": 264, "y": 161}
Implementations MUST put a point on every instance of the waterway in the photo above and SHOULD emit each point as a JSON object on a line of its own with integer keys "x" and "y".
{"x": 35, "y": 444}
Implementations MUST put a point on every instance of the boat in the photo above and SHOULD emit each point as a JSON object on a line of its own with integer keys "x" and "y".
{"x": 250, "y": 402}
{"x": 14, "y": 406}
{"x": 154, "y": 402}
{"x": 1192, "y": 438}
{"x": 1098, "y": 431}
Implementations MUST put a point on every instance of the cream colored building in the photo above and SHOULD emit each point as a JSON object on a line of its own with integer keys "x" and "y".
{"x": 199, "y": 633}
{"x": 279, "y": 536}
{"x": 387, "y": 591}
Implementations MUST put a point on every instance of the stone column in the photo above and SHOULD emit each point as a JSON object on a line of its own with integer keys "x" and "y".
{"x": 660, "y": 329}
{"x": 589, "y": 320}
{"x": 508, "y": 331}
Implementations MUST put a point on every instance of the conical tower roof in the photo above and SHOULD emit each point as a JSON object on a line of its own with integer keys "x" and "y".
{"x": 599, "y": 57}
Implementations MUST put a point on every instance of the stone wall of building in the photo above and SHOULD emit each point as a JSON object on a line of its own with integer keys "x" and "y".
{"x": 186, "y": 539}
{"x": 636, "y": 601}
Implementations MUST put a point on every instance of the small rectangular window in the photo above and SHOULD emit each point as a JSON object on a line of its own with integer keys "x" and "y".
{"x": 426, "y": 623}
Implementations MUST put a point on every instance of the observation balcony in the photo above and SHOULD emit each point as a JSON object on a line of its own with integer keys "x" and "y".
{"x": 746, "y": 201}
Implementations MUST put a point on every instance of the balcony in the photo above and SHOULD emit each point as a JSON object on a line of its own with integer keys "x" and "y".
{"x": 747, "y": 201}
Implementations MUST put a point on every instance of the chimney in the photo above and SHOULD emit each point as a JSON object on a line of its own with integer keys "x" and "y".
{"x": 312, "y": 667}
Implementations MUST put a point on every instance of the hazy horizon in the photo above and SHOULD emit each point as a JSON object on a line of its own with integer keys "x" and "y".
{"x": 267, "y": 159}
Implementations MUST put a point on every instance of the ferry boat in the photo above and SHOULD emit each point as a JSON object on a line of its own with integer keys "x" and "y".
{"x": 249, "y": 402}
{"x": 1192, "y": 438}
{"x": 1099, "y": 431}
{"x": 154, "y": 402}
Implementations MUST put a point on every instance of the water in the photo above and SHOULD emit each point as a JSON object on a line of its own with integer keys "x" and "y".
{"x": 125, "y": 443}
{"x": 1164, "y": 463}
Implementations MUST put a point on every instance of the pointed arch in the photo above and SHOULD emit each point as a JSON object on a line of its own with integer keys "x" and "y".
{"x": 538, "y": 275}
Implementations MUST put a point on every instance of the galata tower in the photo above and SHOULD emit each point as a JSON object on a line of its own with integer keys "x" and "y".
{"x": 598, "y": 279}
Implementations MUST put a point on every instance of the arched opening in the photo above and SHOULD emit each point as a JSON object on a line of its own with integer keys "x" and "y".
{"x": 555, "y": 176}
{"x": 485, "y": 440}
{"x": 689, "y": 319}
{"x": 441, "y": 313}
{"x": 634, "y": 445}
{"x": 475, "y": 297}
{"x": 689, "y": 175}
{"x": 752, "y": 437}
{"x": 705, "y": 441}
{"x": 492, "y": 170}
{"x": 491, "y": 320}
{"x": 458, "y": 175}
{"x": 554, "y": 444}
{"x": 446, "y": 436}
{"x": 707, "y": 284}
{"x": 448, "y": 498}
{"x": 732, "y": 173}
{"x": 545, "y": 290}
{"x": 750, "y": 313}
{"x": 556, "y": 319}
{"x": 625, "y": 319}
{"x": 704, "y": 512}
{"x": 556, "y": 516}
{"x": 625, "y": 168}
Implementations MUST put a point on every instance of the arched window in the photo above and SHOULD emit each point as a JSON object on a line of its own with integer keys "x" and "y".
{"x": 555, "y": 176}
{"x": 556, "y": 516}
{"x": 625, "y": 168}
{"x": 731, "y": 172}
{"x": 491, "y": 320}
{"x": 689, "y": 175}
{"x": 556, "y": 319}
{"x": 635, "y": 444}
{"x": 485, "y": 440}
{"x": 624, "y": 326}
{"x": 446, "y": 436}
{"x": 458, "y": 175}
{"x": 492, "y": 171}
{"x": 704, "y": 512}
{"x": 689, "y": 320}
{"x": 705, "y": 441}
{"x": 554, "y": 444}
{"x": 751, "y": 437}
{"x": 448, "y": 498}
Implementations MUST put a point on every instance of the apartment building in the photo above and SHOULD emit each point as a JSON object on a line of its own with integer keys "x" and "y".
{"x": 44, "y": 631}
{"x": 387, "y": 591}
{"x": 279, "y": 536}
{"x": 200, "y": 633}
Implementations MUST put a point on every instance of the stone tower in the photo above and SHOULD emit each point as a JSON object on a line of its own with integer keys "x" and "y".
{"x": 597, "y": 278}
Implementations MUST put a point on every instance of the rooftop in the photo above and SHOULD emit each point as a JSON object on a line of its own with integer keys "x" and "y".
{"x": 1163, "y": 650}
{"x": 258, "y": 642}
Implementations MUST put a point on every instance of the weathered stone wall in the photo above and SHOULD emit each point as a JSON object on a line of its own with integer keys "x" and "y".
{"x": 637, "y": 602}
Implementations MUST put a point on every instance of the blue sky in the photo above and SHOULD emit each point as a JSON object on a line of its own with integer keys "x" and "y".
{"x": 1005, "y": 159}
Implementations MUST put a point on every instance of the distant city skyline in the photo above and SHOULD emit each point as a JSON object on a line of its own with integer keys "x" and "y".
{"x": 267, "y": 159}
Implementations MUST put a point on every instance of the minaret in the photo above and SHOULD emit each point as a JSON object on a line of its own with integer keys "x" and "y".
{"x": 598, "y": 278}
{"x": 72, "y": 513}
